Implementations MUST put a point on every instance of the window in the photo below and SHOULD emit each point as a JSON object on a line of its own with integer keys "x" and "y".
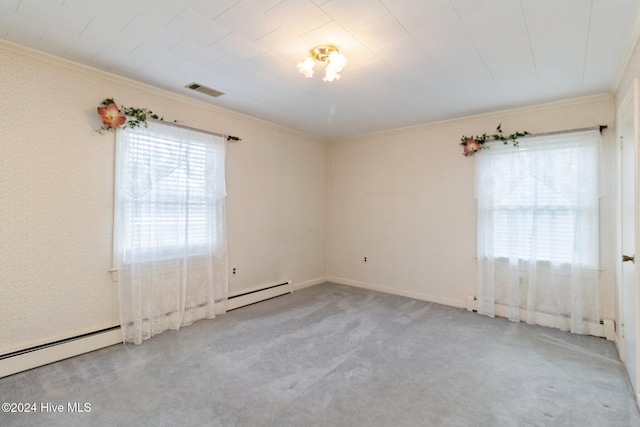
{"x": 168, "y": 183}
{"x": 544, "y": 201}
{"x": 538, "y": 231}
{"x": 169, "y": 229}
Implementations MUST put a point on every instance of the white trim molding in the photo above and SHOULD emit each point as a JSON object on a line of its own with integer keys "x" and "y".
{"x": 393, "y": 291}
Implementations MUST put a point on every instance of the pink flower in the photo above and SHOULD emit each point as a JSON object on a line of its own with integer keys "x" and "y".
{"x": 112, "y": 116}
{"x": 471, "y": 146}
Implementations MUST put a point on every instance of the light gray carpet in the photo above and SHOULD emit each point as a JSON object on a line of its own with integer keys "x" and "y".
{"x": 333, "y": 355}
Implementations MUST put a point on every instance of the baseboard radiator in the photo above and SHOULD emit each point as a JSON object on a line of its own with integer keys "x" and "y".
{"x": 261, "y": 293}
{"x": 30, "y": 358}
{"x": 40, "y": 355}
{"x": 604, "y": 328}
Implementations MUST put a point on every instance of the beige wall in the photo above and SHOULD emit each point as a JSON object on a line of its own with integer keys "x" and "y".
{"x": 405, "y": 200}
{"x": 402, "y": 198}
{"x": 56, "y": 197}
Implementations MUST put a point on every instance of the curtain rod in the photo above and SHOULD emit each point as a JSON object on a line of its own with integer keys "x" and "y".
{"x": 228, "y": 137}
{"x": 557, "y": 132}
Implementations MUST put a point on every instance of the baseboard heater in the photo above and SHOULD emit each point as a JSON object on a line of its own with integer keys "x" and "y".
{"x": 259, "y": 294}
{"x": 23, "y": 360}
{"x": 604, "y": 328}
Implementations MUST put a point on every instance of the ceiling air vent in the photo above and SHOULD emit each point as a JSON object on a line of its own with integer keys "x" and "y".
{"x": 204, "y": 89}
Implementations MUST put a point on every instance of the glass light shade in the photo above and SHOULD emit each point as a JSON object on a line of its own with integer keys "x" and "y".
{"x": 306, "y": 67}
{"x": 331, "y": 75}
{"x": 337, "y": 61}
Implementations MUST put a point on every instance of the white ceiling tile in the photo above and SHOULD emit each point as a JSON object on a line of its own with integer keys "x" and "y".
{"x": 504, "y": 48}
{"x": 453, "y": 53}
{"x": 157, "y": 56}
{"x": 524, "y": 83}
{"x": 152, "y": 72}
{"x": 150, "y": 31}
{"x": 595, "y": 73}
{"x": 248, "y": 18}
{"x": 500, "y": 71}
{"x": 483, "y": 90}
{"x": 548, "y": 37}
{"x": 115, "y": 61}
{"x": 508, "y": 14}
{"x": 354, "y": 13}
{"x": 160, "y": 11}
{"x": 271, "y": 65}
{"x": 560, "y": 53}
{"x": 474, "y": 72}
{"x": 75, "y": 46}
{"x": 9, "y": 6}
{"x": 308, "y": 16}
{"x": 19, "y": 27}
{"x": 101, "y": 33}
{"x": 232, "y": 67}
{"x": 381, "y": 32}
{"x": 427, "y": 20}
{"x": 372, "y": 72}
{"x": 550, "y": 22}
{"x": 554, "y": 11}
{"x": 209, "y": 8}
{"x": 285, "y": 43}
{"x": 195, "y": 72}
{"x": 114, "y": 13}
{"x": 54, "y": 15}
{"x": 563, "y": 77}
{"x": 401, "y": 54}
{"x": 466, "y": 7}
{"x": 605, "y": 51}
{"x": 198, "y": 27}
{"x": 40, "y": 43}
{"x": 239, "y": 47}
{"x": 197, "y": 52}
{"x": 616, "y": 16}
{"x": 426, "y": 73}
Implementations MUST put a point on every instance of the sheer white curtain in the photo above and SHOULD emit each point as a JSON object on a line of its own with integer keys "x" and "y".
{"x": 170, "y": 245}
{"x": 538, "y": 255}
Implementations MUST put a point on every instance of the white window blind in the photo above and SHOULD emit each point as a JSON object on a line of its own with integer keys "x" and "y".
{"x": 168, "y": 184}
{"x": 544, "y": 192}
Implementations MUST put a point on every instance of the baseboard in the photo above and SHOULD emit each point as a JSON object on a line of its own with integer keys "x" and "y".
{"x": 409, "y": 294}
{"x": 309, "y": 283}
{"x": 609, "y": 326}
{"x": 605, "y": 328}
{"x": 44, "y": 356}
{"x": 620, "y": 347}
{"x": 59, "y": 351}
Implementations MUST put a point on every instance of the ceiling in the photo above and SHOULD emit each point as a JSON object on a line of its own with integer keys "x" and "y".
{"x": 409, "y": 61}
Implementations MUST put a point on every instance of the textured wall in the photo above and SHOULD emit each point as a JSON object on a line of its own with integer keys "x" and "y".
{"x": 56, "y": 197}
{"x": 405, "y": 200}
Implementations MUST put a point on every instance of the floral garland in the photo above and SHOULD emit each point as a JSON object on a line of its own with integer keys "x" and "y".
{"x": 471, "y": 144}
{"x": 113, "y": 117}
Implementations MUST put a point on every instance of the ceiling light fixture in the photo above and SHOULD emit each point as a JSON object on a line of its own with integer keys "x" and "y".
{"x": 329, "y": 55}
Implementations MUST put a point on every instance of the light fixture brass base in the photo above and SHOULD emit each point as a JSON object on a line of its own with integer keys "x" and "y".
{"x": 321, "y": 53}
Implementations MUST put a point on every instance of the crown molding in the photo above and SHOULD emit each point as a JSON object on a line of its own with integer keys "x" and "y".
{"x": 500, "y": 114}
{"x": 86, "y": 69}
